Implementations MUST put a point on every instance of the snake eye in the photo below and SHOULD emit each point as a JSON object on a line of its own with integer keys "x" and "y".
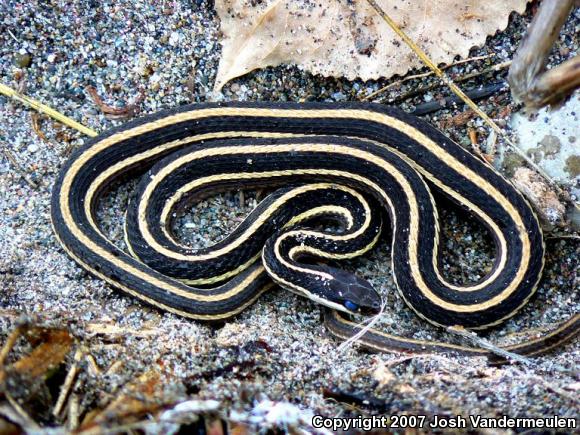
{"x": 351, "y": 306}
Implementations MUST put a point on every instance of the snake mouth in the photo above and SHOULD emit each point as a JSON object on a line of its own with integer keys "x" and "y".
{"x": 369, "y": 305}
{"x": 372, "y": 310}
{"x": 355, "y": 295}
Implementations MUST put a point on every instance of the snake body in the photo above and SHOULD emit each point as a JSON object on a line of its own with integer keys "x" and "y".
{"x": 349, "y": 163}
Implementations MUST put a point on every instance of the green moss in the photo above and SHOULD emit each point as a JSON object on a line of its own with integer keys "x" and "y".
{"x": 511, "y": 163}
{"x": 573, "y": 166}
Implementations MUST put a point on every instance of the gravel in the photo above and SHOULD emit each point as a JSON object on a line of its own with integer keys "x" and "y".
{"x": 164, "y": 54}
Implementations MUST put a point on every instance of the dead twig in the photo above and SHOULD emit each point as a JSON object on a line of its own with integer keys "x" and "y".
{"x": 423, "y": 75}
{"x": 93, "y": 367}
{"x": 94, "y": 328}
{"x": 18, "y": 168}
{"x": 485, "y": 344}
{"x": 556, "y": 84}
{"x": 563, "y": 236}
{"x": 35, "y": 118}
{"x": 115, "y": 367}
{"x": 10, "y": 342}
{"x": 25, "y": 419}
{"x": 491, "y": 145}
{"x": 73, "y": 412}
{"x": 528, "y": 78}
{"x": 37, "y": 105}
{"x": 424, "y": 89}
{"x": 68, "y": 382}
{"x": 114, "y": 112}
{"x": 13, "y": 36}
{"x": 475, "y": 94}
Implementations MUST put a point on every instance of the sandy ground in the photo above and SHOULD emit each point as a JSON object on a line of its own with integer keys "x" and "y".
{"x": 165, "y": 55}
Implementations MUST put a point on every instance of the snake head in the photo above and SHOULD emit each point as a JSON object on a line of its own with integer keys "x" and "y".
{"x": 349, "y": 293}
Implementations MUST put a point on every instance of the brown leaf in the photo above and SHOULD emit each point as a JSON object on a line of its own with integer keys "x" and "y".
{"x": 26, "y": 379}
{"x": 147, "y": 394}
{"x": 55, "y": 345}
{"x": 338, "y": 38}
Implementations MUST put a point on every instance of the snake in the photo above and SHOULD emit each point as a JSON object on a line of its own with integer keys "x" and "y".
{"x": 337, "y": 173}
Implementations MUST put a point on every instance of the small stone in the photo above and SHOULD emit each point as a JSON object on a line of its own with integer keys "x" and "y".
{"x": 339, "y": 96}
{"x": 174, "y": 39}
{"x": 23, "y": 60}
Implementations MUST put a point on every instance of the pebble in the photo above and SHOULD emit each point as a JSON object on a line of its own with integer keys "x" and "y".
{"x": 174, "y": 39}
{"x": 23, "y": 60}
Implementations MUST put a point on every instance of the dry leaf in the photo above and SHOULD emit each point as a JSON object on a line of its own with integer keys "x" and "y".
{"x": 383, "y": 375}
{"x": 338, "y": 38}
{"x": 146, "y": 395}
{"x": 27, "y": 380}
